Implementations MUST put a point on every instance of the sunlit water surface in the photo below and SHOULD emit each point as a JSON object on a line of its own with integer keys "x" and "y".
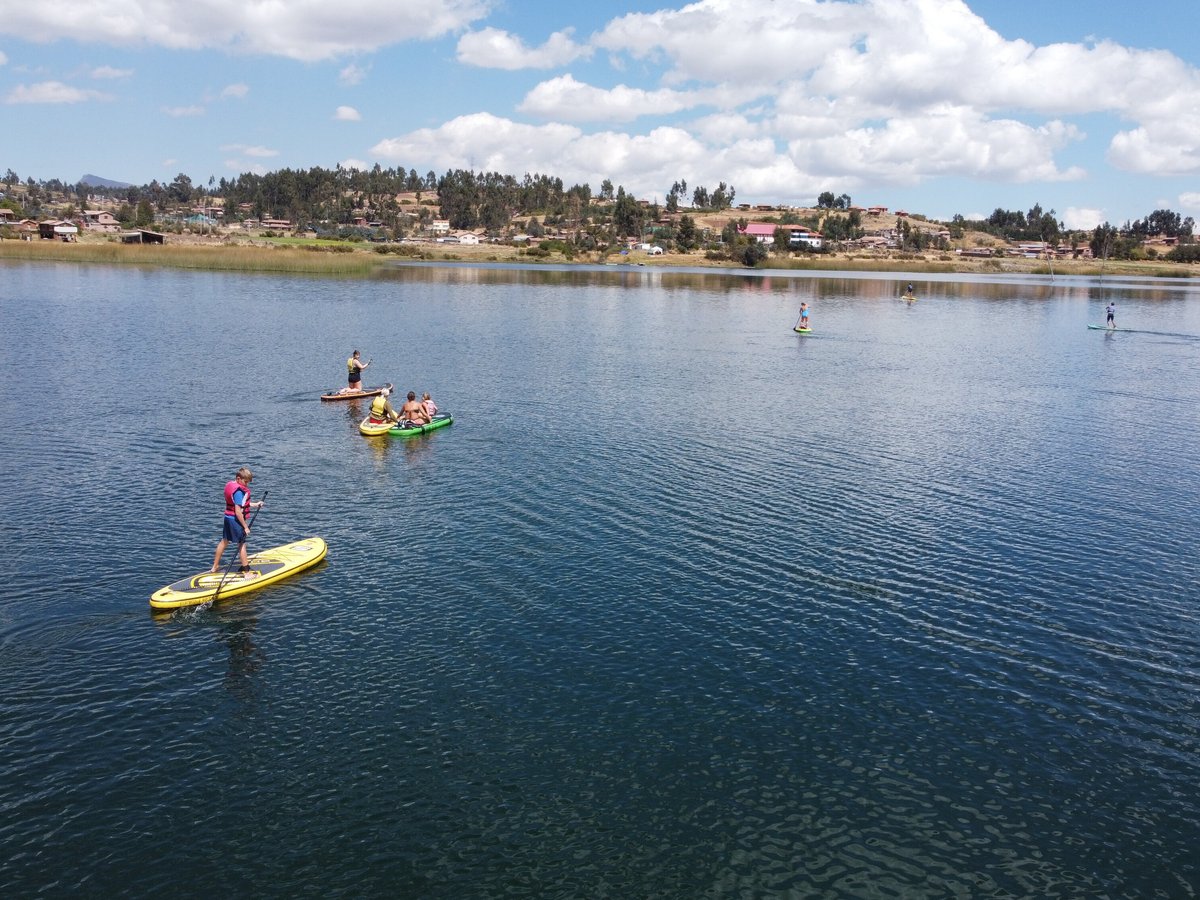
{"x": 682, "y": 605}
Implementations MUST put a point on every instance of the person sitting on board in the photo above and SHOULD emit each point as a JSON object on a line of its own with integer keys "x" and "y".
{"x": 1111, "y": 321}
{"x": 381, "y": 408}
{"x": 413, "y": 412}
{"x": 430, "y": 406}
{"x": 803, "y": 315}
{"x": 354, "y": 379}
{"x": 235, "y": 527}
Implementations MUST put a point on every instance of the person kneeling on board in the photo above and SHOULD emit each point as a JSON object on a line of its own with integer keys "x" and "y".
{"x": 381, "y": 408}
{"x": 235, "y": 527}
{"x": 414, "y": 412}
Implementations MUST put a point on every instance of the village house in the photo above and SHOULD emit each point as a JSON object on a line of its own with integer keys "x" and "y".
{"x": 100, "y": 220}
{"x": 798, "y": 234}
{"x": 57, "y": 229}
{"x": 440, "y": 226}
{"x": 1030, "y": 249}
{"x": 763, "y": 232}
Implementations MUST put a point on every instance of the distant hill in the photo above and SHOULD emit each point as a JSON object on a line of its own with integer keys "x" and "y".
{"x": 97, "y": 181}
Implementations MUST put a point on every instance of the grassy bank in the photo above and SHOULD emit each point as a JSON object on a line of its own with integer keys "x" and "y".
{"x": 309, "y": 257}
{"x": 211, "y": 257}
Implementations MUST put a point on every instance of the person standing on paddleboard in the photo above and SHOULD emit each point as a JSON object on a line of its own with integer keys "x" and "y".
{"x": 356, "y": 366}
{"x": 235, "y": 527}
{"x": 803, "y": 315}
{"x": 1111, "y": 321}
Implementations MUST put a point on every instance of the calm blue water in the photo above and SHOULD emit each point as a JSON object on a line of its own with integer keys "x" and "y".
{"x": 682, "y": 605}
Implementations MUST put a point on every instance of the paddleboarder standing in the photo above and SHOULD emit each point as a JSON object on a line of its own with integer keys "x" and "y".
{"x": 356, "y": 366}
{"x": 235, "y": 528}
{"x": 803, "y": 315}
{"x": 1111, "y": 321}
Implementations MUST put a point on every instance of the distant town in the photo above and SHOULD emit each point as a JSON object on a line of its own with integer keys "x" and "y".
{"x": 536, "y": 213}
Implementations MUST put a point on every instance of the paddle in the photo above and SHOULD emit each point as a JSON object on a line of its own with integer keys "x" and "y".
{"x": 236, "y": 552}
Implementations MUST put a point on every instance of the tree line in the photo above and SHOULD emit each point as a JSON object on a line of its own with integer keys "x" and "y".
{"x": 492, "y": 201}
{"x": 467, "y": 199}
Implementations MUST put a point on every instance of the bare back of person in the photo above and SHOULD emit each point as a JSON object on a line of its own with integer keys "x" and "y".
{"x": 414, "y": 410}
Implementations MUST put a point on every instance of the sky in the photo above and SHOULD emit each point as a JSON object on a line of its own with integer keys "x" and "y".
{"x": 939, "y": 107}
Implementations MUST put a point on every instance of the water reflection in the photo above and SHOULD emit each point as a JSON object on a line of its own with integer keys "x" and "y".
{"x": 235, "y": 629}
{"x": 824, "y": 283}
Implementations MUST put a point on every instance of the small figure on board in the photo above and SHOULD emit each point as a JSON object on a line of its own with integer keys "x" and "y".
{"x": 414, "y": 411}
{"x": 430, "y": 406}
{"x": 381, "y": 408}
{"x": 235, "y": 528}
{"x": 908, "y": 294}
{"x": 803, "y": 315}
{"x": 356, "y": 366}
{"x": 1111, "y": 321}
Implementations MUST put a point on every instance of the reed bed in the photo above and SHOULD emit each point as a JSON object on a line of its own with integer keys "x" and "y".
{"x": 190, "y": 256}
{"x": 343, "y": 260}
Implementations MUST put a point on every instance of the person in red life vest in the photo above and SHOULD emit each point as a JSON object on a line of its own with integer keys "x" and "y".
{"x": 236, "y": 528}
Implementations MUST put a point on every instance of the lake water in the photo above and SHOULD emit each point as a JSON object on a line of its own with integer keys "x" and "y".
{"x": 683, "y": 604}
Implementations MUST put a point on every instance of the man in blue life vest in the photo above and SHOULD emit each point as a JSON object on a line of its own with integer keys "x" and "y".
{"x": 1111, "y": 321}
{"x": 235, "y": 527}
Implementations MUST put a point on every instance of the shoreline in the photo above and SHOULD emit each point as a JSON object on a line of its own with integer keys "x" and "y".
{"x": 355, "y": 260}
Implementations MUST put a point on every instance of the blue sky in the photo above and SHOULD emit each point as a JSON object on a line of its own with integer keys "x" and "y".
{"x": 1088, "y": 107}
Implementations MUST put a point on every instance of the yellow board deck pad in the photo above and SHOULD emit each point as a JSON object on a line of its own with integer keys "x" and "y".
{"x": 266, "y": 567}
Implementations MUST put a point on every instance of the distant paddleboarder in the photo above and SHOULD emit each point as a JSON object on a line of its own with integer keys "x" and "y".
{"x": 803, "y": 315}
{"x": 1111, "y": 321}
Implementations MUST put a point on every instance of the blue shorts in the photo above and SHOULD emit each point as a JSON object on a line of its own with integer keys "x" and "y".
{"x": 233, "y": 531}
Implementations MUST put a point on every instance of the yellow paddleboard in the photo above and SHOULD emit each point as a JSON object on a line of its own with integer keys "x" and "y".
{"x": 266, "y": 567}
{"x": 371, "y": 429}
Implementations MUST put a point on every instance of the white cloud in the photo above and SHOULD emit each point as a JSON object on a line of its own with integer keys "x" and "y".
{"x": 1167, "y": 146}
{"x": 642, "y": 164}
{"x": 108, "y": 72}
{"x": 832, "y": 67}
{"x": 52, "y": 92}
{"x": 347, "y": 114}
{"x": 1190, "y": 200}
{"x": 355, "y": 164}
{"x": 235, "y": 90}
{"x": 948, "y": 141}
{"x": 248, "y": 150}
{"x": 183, "y": 112}
{"x": 3, "y": 59}
{"x": 495, "y": 49}
{"x": 566, "y": 99}
{"x": 352, "y": 75}
{"x": 1082, "y": 219}
{"x": 307, "y": 30}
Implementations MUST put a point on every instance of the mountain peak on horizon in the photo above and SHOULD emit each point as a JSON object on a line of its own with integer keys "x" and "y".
{"x": 97, "y": 181}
